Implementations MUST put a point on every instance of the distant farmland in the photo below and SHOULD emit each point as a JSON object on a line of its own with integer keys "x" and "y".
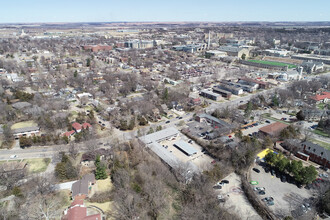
{"x": 273, "y": 63}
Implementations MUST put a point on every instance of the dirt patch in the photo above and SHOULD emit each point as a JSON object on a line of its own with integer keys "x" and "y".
{"x": 236, "y": 201}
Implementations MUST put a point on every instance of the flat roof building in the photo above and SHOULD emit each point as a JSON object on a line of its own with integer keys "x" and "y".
{"x": 223, "y": 93}
{"x": 152, "y": 141}
{"x": 210, "y": 95}
{"x": 186, "y": 148}
{"x": 160, "y": 135}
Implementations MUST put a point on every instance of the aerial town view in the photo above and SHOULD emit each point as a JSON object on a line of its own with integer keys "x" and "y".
{"x": 138, "y": 110}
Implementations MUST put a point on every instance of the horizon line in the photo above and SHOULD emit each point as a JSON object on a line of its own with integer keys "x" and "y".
{"x": 72, "y": 22}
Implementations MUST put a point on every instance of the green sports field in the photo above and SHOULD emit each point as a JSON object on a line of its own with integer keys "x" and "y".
{"x": 290, "y": 66}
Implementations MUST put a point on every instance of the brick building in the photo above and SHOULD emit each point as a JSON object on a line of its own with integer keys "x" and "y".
{"x": 316, "y": 153}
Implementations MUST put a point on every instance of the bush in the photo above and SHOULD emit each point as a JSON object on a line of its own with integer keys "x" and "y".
{"x": 17, "y": 191}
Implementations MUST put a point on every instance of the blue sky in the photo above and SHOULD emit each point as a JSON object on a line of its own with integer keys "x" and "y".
{"x": 166, "y": 10}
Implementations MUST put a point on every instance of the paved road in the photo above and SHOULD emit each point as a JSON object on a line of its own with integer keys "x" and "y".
{"x": 245, "y": 99}
{"x": 49, "y": 151}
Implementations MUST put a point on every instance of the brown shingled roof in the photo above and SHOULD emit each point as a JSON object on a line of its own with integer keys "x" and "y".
{"x": 274, "y": 128}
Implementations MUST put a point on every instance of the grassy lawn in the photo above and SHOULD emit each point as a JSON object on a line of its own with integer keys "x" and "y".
{"x": 319, "y": 132}
{"x": 74, "y": 113}
{"x": 275, "y": 119}
{"x": 273, "y": 63}
{"x": 65, "y": 195}
{"x": 37, "y": 165}
{"x": 321, "y": 106}
{"x": 104, "y": 185}
{"x": 24, "y": 124}
{"x": 321, "y": 143}
{"x": 88, "y": 107}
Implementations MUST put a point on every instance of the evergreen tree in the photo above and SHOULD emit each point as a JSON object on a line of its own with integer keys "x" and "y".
{"x": 100, "y": 172}
{"x": 165, "y": 94}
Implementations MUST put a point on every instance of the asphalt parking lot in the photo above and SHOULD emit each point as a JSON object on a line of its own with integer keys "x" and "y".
{"x": 236, "y": 202}
{"x": 287, "y": 197}
{"x": 251, "y": 130}
{"x": 196, "y": 128}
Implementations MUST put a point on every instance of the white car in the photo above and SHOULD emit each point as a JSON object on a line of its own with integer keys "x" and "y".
{"x": 13, "y": 156}
{"x": 259, "y": 188}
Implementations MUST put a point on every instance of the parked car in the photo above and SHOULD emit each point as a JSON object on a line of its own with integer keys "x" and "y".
{"x": 167, "y": 122}
{"x": 272, "y": 172}
{"x": 259, "y": 189}
{"x": 270, "y": 203}
{"x": 220, "y": 183}
{"x": 217, "y": 187}
{"x": 225, "y": 181}
{"x": 324, "y": 168}
{"x": 314, "y": 126}
{"x": 283, "y": 178}
{"x": 221, "y": 198}
{"x": 256, "y": 170}
{"x": 308, "y": 186}
{"x": 261, "y": 192}
{"x": 278, "y": 174}
{"x": 324, "y": 175}
{"x": 13, "y": 156}
{"x": 267, "y": 199}
{"x": 267, "y": 121}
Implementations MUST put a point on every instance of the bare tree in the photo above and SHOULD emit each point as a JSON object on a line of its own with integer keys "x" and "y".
{"x": 73, "y": 150}
{"x": 43, "y": 207}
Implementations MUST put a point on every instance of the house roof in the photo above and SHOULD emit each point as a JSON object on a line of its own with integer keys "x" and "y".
{"x": 26, "y": 129}
{"x": 78, "y": 211}
{"x": 86, "y": 125}
{"x": 76, "y": 126}
{"x": 274, "y": 128}
{"x": 89, "y": 178}
{"x": 317, "y": 150}
{"x": 254, "y": 81}
{"x": 322, "y": 96}
{"x": 230, "y": 49}
{"x": 21, "y": 105}
{"x": 79, "y": 187}
{"x": 210, "y": 117}
{"x": 69, "y": 133}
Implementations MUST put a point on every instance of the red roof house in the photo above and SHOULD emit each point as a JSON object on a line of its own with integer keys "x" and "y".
{"x": 86, "y": 125}
{"x": 69, "y": 133}
{"x": 77, "y": 127}
{"x": 324, "y": 96}
{"x": 78, "y": 211}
